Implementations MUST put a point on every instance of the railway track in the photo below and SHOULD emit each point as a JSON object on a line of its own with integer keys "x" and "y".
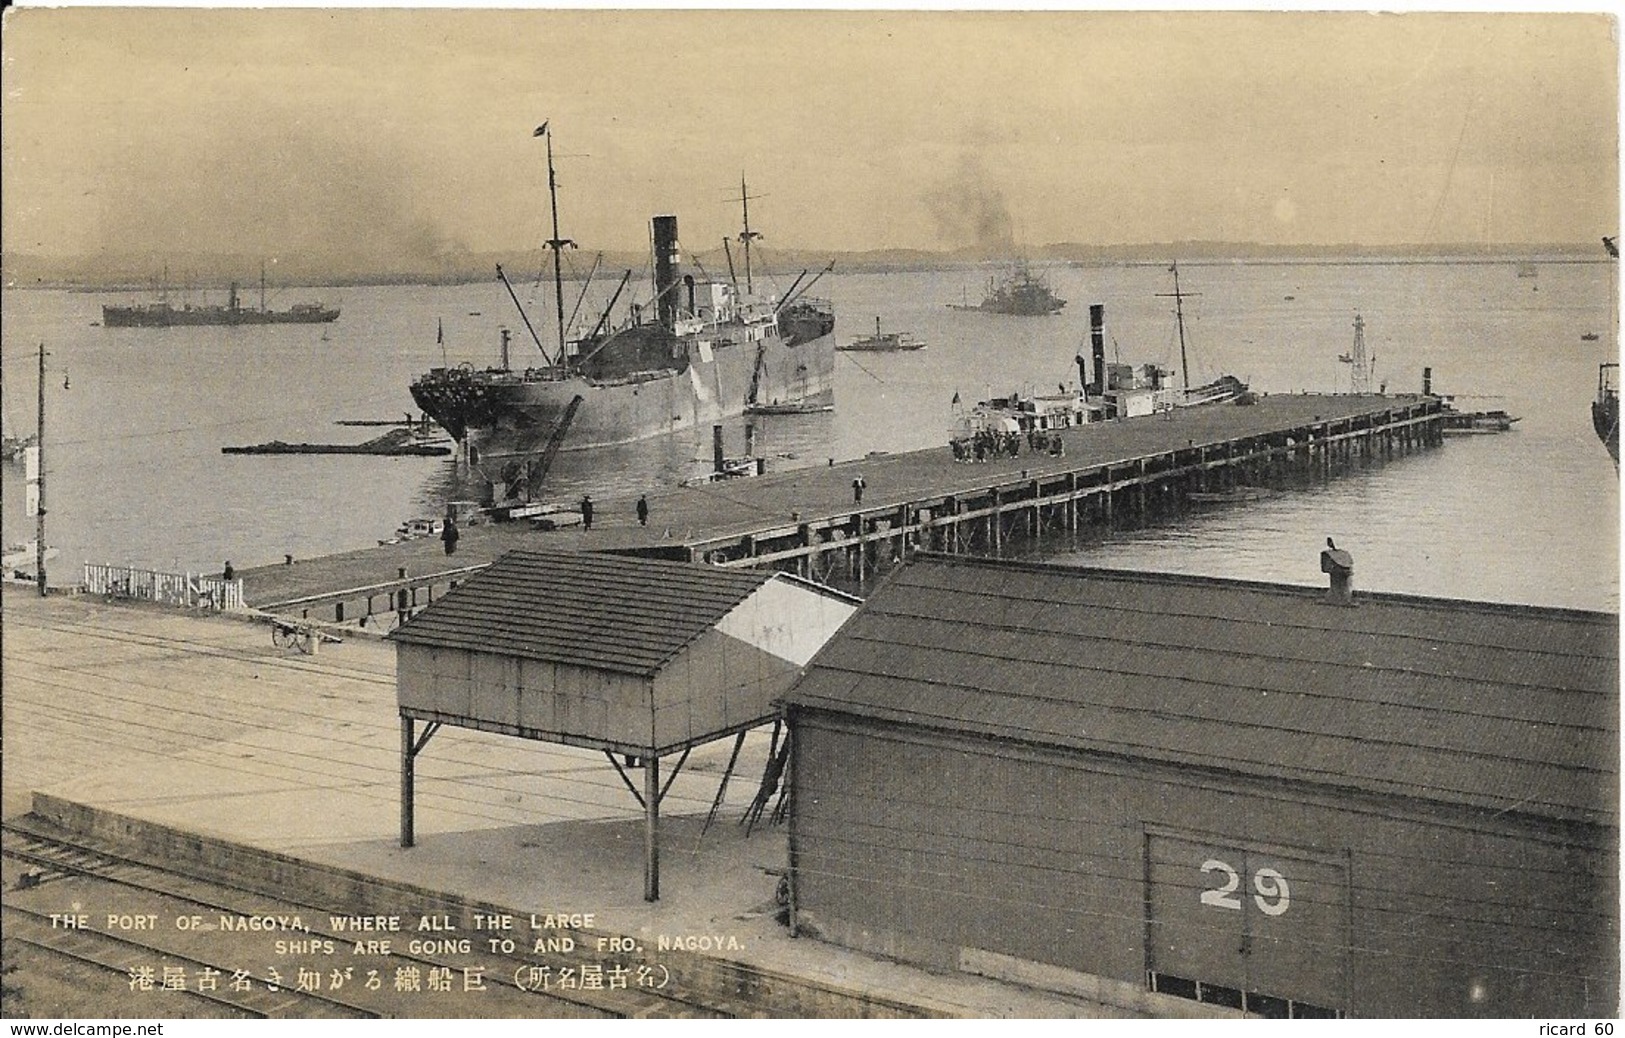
{"x": 103, "y": 876}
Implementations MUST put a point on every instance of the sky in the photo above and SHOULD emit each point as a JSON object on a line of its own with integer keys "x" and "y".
{"x": 359, "y": 134}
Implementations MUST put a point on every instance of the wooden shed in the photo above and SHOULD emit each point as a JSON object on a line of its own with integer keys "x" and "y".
{"x": 1143, "y": 788}
{"x": 635, "y": 657}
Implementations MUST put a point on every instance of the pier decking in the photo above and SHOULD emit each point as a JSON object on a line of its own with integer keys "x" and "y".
{"x": 806, "y": 520}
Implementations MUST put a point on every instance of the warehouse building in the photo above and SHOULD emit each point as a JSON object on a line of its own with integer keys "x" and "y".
{"x": 1176, "y": 793}
{"x": 641, "y": 659}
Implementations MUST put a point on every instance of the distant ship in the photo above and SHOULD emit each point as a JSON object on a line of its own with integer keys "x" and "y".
{"x": 1021, "y": 293}
{"x": 164, "y": 314}
{"x": 711, "y": 351}
{"x": 1605, "y": 409}
{"x": 883, "y": 342}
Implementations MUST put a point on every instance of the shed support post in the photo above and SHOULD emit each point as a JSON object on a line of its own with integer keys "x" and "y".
{"x": 651, "y": 827}
{"x": 995, "y": 522}
{"x": 407, "y": 780}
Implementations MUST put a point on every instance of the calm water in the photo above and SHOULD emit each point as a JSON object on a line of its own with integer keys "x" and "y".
{"x": 136, "y": 474}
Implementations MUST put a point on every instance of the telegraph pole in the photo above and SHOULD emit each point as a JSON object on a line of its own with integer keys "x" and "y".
{"x": 39, "y": 501}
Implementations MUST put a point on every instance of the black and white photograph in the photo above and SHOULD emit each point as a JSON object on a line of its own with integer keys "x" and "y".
{"x": 571, "y": 514}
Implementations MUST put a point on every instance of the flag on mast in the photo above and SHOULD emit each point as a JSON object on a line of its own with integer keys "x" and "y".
{"x": 541, "y": 131}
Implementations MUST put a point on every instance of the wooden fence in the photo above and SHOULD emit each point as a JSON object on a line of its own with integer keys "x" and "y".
{"x": 187, "y": 590}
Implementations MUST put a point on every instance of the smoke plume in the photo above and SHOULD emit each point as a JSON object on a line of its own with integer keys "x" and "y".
{"x": 970, "y": 210}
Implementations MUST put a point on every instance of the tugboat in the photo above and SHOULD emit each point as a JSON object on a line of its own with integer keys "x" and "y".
{"x": 1022, "y": 293}
{"x": 711, "y": 351}
{"x": 883, "y": 342}
{"x": 1465, "y": 423}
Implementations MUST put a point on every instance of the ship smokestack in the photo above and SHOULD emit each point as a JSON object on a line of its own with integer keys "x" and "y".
{"x": 1097, "y": 342}
{"x": 1339, "y": 566}
{"x": 668, "y": 261}
{"x": 1427, "y": 381}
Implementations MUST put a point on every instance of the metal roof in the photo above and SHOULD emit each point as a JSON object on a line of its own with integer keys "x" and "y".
{"x": 602, "y": 612}
{"x": 1507, "y": 707}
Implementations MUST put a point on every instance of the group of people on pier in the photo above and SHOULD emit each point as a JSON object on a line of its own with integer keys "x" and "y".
{"x": 985, "y": 444}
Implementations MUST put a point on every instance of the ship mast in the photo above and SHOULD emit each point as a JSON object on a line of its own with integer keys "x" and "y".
{"x": 1179, "y": 317}
{"x": 555, "y": 243}
{"x": 747, "y": 235}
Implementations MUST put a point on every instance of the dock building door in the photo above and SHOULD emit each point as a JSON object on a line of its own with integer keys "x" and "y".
{"x": 1263, "y": 929}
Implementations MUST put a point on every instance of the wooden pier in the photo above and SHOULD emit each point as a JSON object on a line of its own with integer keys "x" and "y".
{"x": 806, "y": 521}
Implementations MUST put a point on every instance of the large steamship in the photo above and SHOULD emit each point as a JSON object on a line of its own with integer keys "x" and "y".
{"x": 164, "y": 314}
{"x": 711, "y": 351}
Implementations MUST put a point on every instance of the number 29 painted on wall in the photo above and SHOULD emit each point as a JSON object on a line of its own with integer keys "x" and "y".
{"x": 1271, "y": 892}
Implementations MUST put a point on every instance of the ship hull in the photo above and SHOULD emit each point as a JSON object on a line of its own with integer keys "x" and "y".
{"x": 1605, "y": 420}
{"x": 1034, "y": 310}
{"x": 171, "y": 317}
{"x": 502, "y": 412}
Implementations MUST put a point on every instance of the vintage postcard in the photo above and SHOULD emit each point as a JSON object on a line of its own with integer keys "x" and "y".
{"x": 599, "y": 513}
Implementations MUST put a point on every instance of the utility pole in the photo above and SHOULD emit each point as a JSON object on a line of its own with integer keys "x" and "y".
{"x": 39, "y": 502}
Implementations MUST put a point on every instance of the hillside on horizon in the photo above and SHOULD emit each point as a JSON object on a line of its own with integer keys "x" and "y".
{"x": 156, "y": 271}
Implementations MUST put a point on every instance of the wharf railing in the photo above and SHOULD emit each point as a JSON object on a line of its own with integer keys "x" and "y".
{"x": 376, "y": 606}
{"x": 185, "y": 590}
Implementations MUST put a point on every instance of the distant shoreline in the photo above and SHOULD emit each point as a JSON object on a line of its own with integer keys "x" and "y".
{"x": 80, "y": 276}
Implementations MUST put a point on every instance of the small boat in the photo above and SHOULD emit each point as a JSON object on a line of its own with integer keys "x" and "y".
{"x": 1590, "y": 337}
{"x": 883, "y": 342}
{"x": 789, "y": 407}
{"x": 1468, "y": 423}
{"x": 515, "y": 511}
{"x": 412, "y": 529}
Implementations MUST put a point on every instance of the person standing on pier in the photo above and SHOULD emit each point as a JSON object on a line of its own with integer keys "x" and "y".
{"x": 643, "y": 510}
{"x": 857, "y": 490}
{"x": 586, "y": 511}
{"x": 449, "y": 534}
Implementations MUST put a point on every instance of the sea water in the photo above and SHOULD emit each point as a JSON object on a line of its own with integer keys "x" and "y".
{"x": 136, "y": 417}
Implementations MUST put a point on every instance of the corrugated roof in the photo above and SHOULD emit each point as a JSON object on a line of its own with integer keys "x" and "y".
{"x": 604, "y": 612}
{"x": 1506, "y": 707}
